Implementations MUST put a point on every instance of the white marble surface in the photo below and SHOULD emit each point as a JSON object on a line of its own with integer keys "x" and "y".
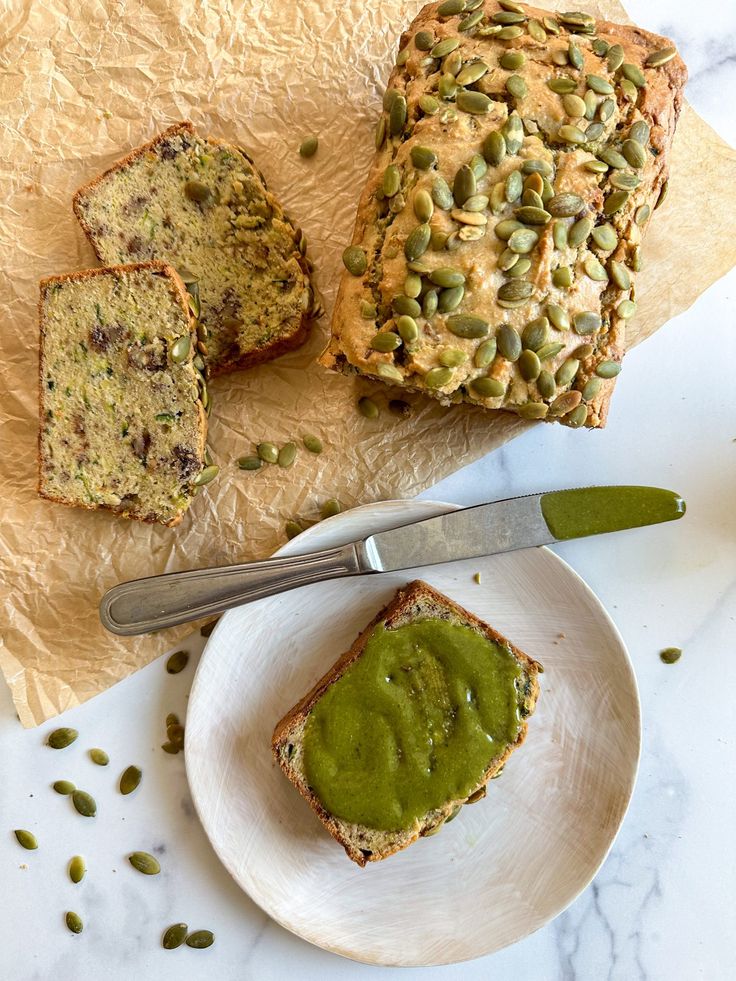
{"x": 662, "y": 905}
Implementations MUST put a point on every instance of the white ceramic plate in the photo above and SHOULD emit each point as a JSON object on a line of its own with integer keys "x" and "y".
{"x": 506, "y": 865}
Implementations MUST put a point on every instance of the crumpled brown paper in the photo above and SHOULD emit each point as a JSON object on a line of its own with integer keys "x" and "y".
{"x": 83, "y": 82}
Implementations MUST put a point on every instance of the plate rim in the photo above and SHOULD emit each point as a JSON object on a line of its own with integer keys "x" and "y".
{"x": 292, "y": 548}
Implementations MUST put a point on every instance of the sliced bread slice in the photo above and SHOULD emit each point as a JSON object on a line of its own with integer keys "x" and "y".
{"x": 202, "y": 205}
{"x": 122, "y": 424}
{"x": 291, "y": 747}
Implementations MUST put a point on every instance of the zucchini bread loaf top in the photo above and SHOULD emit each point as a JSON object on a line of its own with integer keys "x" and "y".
{"x": 122, "y": 421}
{"x": 520, "y": 156}
{"x": 202, "y": 205}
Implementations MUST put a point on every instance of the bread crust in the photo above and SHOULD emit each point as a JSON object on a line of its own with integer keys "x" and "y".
{"x": 180, "y": 293}
{"x": 268, "y": 352}
{"x": 349, "y": 348}
{"x": 400, "y": 606}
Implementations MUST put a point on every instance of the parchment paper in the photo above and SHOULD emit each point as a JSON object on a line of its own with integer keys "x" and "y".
{"x": 81, "y": 82}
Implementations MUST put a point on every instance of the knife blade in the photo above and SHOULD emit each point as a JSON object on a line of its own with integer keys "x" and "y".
{"x": 144, "y": 605}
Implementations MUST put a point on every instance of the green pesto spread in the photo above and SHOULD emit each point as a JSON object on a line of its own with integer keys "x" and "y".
{"x": 596, "y": 510}
{"x": 413, "y": 723}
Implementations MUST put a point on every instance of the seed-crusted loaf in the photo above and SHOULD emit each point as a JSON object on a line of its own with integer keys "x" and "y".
{"x": 202, "y": 205}
{"x": 520, "y": 155}
{"x": 122, "y": 424}
{"x": 417, "y": 601}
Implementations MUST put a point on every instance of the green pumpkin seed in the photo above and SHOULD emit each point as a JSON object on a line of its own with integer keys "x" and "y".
{"x": 486, "y": 388}
{"x": 619, "y": 274}
{"x": 389, "y": 373}
{"x": 629, "y": 91}
{"x": 615, "y": 57}
{"x": 574, "y": 106}
{"x": 532, "y": 216}
{"x": 548, "y": 351}
{"x": 380, "y": 133}
{"x": 61, "y": 738}
{"x": 471, "y": 73}
{"x": 517, "y": 289}
{"x": 613, "y": 158}
{"x": 429, "y": 105}
{"x": 485, "y": 353}
{"x": 594, "y": 270}
{"x": 172, "y": 719}
{"x": 451, "y": 357}
{"x": 562, "y": 85}
{"x": 592, "y": 388}
{"x": 477, "y": 202}
{"x": 99, "y": 756}
{"x": 494, "y": 148}
{"x": 413, "y": 285}
{"x": 591, "y": 104}
{"x": 77, "y": 868}
{"x": 624, "y": 180}
{"x": 509, "y": 343}
{"x": 385, "y": 342}
{"x": 615, "y": 202}
{"x": 450, "y": 299}
{"x": 608, "y": 369}
{"x": 417, "y": 241}
{"x": 558, "y": 317}
{"x": 250, "y": 462}
{"x": 180, "y": 349}
{"x": 565, "y": 403}
{"x": 546, "y": 384}
{"x": 571, "y": 134}
{"x": 397, "y": 115}
{"x": 476, "y": 103}
{"x": 577, "y": 417}
{"x": 174, "y": 936}
{"x": 605, "y": 237}
{"x": 84, "y": 803}
{"x": 448, "y": 87}
{"x": 583, "y": 352}
{"x": 444, "y": 47}
{"x": 406, "y": 305}
{"x": 599, "y": 85}
{"x": 292, "y": 529}
{"x": 391, "y": 183}
{"x": 639, "y": 132}
{"x": 468, "y": 23}
{"x": 510, "y": 33}
{"x": 130, "y": 779}
{"x": 574, "y": 55}
{"x": 197, "y": 191}
{"x": 268, "y": 452}
{"x": 595, "y": 166}
{"x": 532, "y": 410}
{"x": 438, "y": 377}
{"x": 635, "y": 153}
{"x": 565, "y": 205}
{"x": 309, "y": 147}
{"x": 567, "y": 371}
{"x": 74, "y": 922}
{"x": 562, "y": 277}
{"x": 465, "y": 185}
{"x": 441, "y": 194}
{"x": 423, "y": 157}
{"x": 423, "y": 205}
{"x": 514, "y": 185}
{"x": 517, "y": 87}
{"x": 662, "y": 195}
{"x": 523, "y": 241}
{"x": 512, "y": 60}
{"x": 520, "y": 268}
{"x": 531, "y": 198}
{"x": 606, "y": 109}
{"x": 634, "y": 74}
{"x": 507, "y": 260}
{"x": 177, "y": 662}
{"x": 145, "y": 863}
{"x": 594, "y": 131}
{"x": 670, "y": 655}
{"x": 537, "y": 31}
{"x": 313, "y": 444}
{"x": 626, "y": 309}
{"x": 535, "y": 333}
{"x": 367, "y": 407}
{"x": 513, "y": 133}
{"x": 287, "y": 453}
{"x": 505, "y": 229}
{"x": 529, "y": 365}
{"x": 600, "y": 47}
{"x": 408, "y": 329}
{"x": 560, "y": 235}
{"x": 355, "y": 260}
{"x": 586, "y": 322}
{"x": 467, "y": 325}
{"x": 446, "y": 277}
{"x": 511, "y": 13}
{"x": 424, "y": 40}
{"x": 64, "y": 787}
{"x": 450, "y": 7}
{"x": 200, "y": 939}
{"x": 26, "y": 839}
{"x": 658, "y": 58}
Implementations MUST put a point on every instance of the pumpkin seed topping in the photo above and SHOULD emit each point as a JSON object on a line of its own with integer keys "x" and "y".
{"x": 486, "y": 388}
{"x": 355, "y": 260}
{"x": 626, "y": 309}
{"x": 586, "y": 322}
{"x": 608, "y": 369}
{"x": 565, "y": 205}
{"x": 566, "y": 372}
{"x": 592, "y": 388}
{"x": 658, "y": 58}
{"x": 475, "y": 103}
{"x": 438, "y": 377}
{"x": 417, "y": 241}
{"x": 634, "y": 74}
{"x": 558, "y": 317}
{"x": 467, "y": 325}
{"x": 517, "y": 87}
{"x": 397, "y": 115}
{"x": 562, "y": 85}
{"x": 532, "y": 410}
{"x": 605, "y": 237}
{"x": 494, "y": 148}
{"x": 562, "y": 277}
{"x": 509, "y": 343}
{"x": 599, "y": 85}
{"x": 423, "y": 157}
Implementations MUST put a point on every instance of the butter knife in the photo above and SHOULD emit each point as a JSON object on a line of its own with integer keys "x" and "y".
{"x": 145, "y": 605}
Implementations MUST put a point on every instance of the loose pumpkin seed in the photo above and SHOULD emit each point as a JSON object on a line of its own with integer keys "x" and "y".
{"x": 508, "y": 342}
{"x": 592, "y": 388}
{"x": 61, "y": 738}
{"x": 99, "y": 756}
{"x": 26, "y": 839}
{"x": 450, "y": 299}
{"x": 292, "y": 529}
{"x": 397, "y": 116}
{"x": 172, "y": 719}
{"x": 250, "y": 462}
{"x": 312, "y": 443}
{"x": 77, "y": 868}
{"x": 562, "y": 85}
{"x": 670, "y": 655}
{"x": 586, "y": 322}
{"x": 494, "y": 148}
{"x": 577, "y": 417}
{"x": 144, "y": 862}
{"x": 532, "y": 410}
{"x": 367, "y": 407}
{"x": 84, "y": 803}
{"x": 562, "y": 277}
{"x": 626, "y": 309}
{"x": 487, "y": 388}
{"x": 619, "y": 274}
{"x": 206, "y": 476}
{"x": 529, "y": 365}
{"x": 417, "y": 241}
{"x": 438, "y": 377}
{"x": 634, "y": 74}
{"x": 608, "y": 369}
{"x": 197, "y": 191}
{"x": 565, "y": 403}
{"x": 130, "y": 779}
{"x": 174, "y": 936}
{"x": 200, "y": 939}
{"x": 517, "y": 87}
{"x": 64, "y": 787}
{"x": 355, "y": 260}
{"x": 615, "y": 202}
{"x": 605, "y": 237}
{"x": 309, "y": 147}
{"x": 550, "y": 350}
{"x": 485, "y": 353}
{"x": 467, "y": 325}
{"x": 177, "y": 662}
{"x": 567, "y": 371}
{"x": 476, "y": 103}
{"x": 74, "y": 922}
{"x": 532, "y": 216}
{"x": 268, "y": 452}
{"x": 558, "y": 317}
{"x": 287, "y": 453}
{"x": 594, "y": 270}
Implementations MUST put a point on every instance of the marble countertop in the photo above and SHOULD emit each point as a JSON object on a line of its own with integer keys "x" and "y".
{"x": 661, "y": 906}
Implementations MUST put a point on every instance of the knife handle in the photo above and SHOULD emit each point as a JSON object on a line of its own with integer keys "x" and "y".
{"x": 145, "y": 605}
